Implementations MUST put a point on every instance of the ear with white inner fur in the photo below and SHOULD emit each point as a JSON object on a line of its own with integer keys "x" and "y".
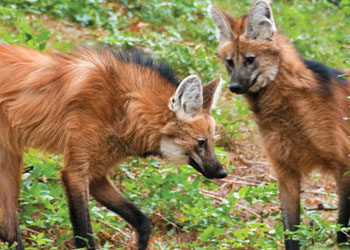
{"x": 260, "y": 24}
{"x": 211, "y": 92}
{"x": 224, "y": 32}
{"x": 188, "y": 98}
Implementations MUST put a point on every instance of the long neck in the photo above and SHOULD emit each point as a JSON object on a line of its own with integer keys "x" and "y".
{"x": 139, "y": 91}
{"x": 146, "y": 114}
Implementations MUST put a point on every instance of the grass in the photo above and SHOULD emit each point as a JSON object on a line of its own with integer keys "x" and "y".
{"x": 187, "y": 210}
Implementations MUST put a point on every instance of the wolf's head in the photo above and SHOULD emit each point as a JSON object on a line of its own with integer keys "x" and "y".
{"x": 247, "y": 47}
{"x": 188, "y": 138}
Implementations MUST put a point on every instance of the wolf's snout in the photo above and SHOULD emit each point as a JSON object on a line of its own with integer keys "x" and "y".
{"x": 235, "y": 87}
{"x": 210, "y": 171}
{"x": 221, "y": 173}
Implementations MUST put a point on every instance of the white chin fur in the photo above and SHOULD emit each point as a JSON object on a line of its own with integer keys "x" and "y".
{"x": 172, "y": 152}
{"x": 258, "y": 85}
{"x": 268, "y": 76}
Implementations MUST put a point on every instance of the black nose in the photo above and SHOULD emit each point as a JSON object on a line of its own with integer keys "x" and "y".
{"x": 235, "y": 87}
{"x": 221, "y": 174}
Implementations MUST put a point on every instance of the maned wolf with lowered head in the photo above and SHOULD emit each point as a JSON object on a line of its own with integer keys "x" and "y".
{"x": 96, "y": 109}
{"x": 299, "y": 106}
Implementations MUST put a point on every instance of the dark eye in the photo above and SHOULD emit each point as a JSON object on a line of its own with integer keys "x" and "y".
{"x": 249, "y": 60}
{"x": 202, "y": 142}
{"x": 230, "y": 63}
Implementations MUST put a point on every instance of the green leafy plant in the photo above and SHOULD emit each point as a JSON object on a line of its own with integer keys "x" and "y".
{"x": 187, "y": 210}
{"x": 24, "y": 33}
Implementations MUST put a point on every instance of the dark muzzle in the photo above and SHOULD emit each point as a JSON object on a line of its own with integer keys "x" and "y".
{"x": 236, "y": 88}
{"x": 209, "y": 172}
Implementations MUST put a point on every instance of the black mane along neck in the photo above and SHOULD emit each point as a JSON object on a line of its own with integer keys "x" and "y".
{"x": 139, "y": 57}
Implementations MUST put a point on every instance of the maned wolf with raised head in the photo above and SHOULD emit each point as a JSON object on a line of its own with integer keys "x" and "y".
{"x": 299, "y": 106}
{"x": 96, "y": 109}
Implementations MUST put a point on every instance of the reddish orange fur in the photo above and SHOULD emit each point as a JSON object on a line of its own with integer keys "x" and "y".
{"x": 94, "y": 109}
{"x": 302, "y": 126}
{"x": 287, "y": 126}
{"x": 48, "y": 100}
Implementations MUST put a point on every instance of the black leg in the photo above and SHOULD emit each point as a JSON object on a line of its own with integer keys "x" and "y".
{"x": 344, "y": 205}
{"x": 76, "y": 188}
{"x": 109, "y": 196}
{"x": 289, "y": 185}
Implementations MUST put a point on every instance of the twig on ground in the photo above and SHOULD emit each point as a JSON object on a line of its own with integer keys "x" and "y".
{"x": 213, "y": 195}
{"x": 314, "y": 191}
{"x": 320, "y": 207}
{"x": 167, "y": 220}
{"x": 115, "y": 228}
{"x": 31, "y": 230}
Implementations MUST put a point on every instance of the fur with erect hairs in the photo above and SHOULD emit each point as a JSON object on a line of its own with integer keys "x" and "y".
{"x": 96, "y": 108}
{"x": 300, "y": 106}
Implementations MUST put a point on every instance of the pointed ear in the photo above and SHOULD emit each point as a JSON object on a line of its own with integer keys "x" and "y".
{"x": 260, "y": 24}
{"x": 211, "y": 92}
{"x": 188, "y": 98}
{"x": 223, "y": 27}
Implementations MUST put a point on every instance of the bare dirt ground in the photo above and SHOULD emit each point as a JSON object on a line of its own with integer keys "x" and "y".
{"x": 253, "y": 168}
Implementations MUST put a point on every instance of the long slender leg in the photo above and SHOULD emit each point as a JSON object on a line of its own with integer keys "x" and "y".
{"x": 10, "y": 174}
{"x": 289, "y": 185}
{"x": 108, "y": 195}
{"x": 75, "y": 182}
{"x": 343, "y": 182}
